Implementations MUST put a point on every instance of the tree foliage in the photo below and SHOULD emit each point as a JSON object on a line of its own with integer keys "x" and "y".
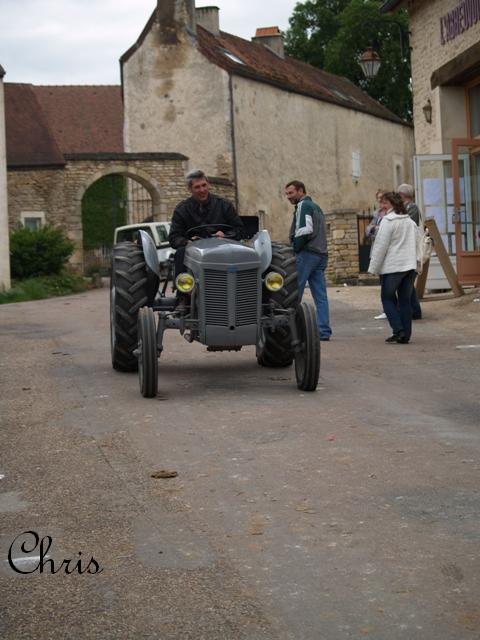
{"x": 38, "y": 253}
{"x": 102, "y": 211}
{"x": 332, "y": 34}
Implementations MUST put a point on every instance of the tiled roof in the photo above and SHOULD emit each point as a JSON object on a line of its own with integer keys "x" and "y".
{"x": 289, "y": 74}
{"x": 84, "y": 119}
{"x": 30, "y": 141}
{"x": 43, "y": 123}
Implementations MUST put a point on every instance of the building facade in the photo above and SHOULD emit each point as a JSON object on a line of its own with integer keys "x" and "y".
{"x": 244, "y": 111}
{"x": 445, "y": 56}
{"x": 4, "y": 244}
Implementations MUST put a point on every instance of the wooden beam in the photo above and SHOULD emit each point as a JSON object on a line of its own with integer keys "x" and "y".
{"x": 422, "y": 280}
{"x": 443, "y": 257}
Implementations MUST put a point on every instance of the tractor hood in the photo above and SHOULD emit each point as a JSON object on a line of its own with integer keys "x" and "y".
{"x": 220, "y": 254}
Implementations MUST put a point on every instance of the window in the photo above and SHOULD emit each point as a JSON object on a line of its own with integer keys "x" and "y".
{"x": 162, "y": 233}
{"x": 232, "y": 56}
{"x": 355, "y": 164}
{"x": 32, "y": 220}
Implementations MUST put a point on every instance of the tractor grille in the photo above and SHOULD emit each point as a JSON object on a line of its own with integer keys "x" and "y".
{"x": 216, "y": 298}
{"x": 247, "y": 297}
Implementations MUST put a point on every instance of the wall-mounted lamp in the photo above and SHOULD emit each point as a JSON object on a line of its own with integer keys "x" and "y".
{"x": 427, "y": 111}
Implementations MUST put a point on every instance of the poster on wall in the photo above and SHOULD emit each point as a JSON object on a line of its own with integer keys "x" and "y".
{"x": 432, "y": 192}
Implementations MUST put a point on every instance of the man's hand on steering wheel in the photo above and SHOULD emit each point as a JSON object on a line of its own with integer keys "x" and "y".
{"x": 207, "y": 231}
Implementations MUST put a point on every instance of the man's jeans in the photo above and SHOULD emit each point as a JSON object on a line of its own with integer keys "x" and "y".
{"x": 396, "y": 299}
{"x": 311, "y": 267}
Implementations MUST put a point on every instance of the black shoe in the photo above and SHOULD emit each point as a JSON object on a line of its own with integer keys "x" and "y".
{"x": 324, "y": 338}
{"x": 417, "y": 317}
{"x": 403, "y": 340}
{"x": 392, "y": 338}
{"x": 397, "y": 338}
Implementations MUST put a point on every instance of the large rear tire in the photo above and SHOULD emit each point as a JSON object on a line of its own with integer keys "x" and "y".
{"x": 128, "y": 293}
{"x": 147, "y": 353}
{"x": 275, "y": 347}
{"x": 307, "y": 359}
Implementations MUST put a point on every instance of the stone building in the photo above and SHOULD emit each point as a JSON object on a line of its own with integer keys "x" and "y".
{"x": 60, "y": 141}
{"x": 4, "y": 244}
{"x": 445, "y": 55}
{"x": 194, "y": 96}
{"x": 243, "y": 110}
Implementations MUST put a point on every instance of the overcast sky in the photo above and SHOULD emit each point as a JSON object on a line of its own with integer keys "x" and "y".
{"x": 80, "y": 41}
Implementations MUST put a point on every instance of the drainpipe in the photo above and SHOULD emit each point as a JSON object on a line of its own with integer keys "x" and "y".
{"x": 234, "y": 147}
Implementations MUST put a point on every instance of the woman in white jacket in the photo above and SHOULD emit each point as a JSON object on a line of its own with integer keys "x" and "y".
{"x": 394, "y": 258}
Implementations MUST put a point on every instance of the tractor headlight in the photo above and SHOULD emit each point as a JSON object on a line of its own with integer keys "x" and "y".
{"x": 185, "y": 282}
{"x": 274, "y": 281}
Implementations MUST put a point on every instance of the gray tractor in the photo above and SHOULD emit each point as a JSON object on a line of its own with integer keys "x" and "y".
{"x": 239, "y": 293}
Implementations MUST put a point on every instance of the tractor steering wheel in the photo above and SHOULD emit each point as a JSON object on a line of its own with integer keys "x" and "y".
{"x": 208, "y": 231}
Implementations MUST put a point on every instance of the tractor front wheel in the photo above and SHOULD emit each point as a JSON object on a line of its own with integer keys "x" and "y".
{"x": 307, "y": 358}
{"x": 147, "y": 353}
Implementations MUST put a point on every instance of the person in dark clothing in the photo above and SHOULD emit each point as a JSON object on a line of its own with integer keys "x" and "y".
{"x": 406, "y": 193}
{"x": 202, "y": 208}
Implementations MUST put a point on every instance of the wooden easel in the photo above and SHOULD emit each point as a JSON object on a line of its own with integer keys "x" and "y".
{"x": 445, "y": 263}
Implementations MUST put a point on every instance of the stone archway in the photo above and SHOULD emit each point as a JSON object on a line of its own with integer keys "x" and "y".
{"x": 147, "y": 181}
{"x": 161, "y": 175}
{"x": 99, "y": 253}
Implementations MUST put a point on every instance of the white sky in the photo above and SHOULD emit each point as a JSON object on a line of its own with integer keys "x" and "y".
{"x": 80, "y": 41}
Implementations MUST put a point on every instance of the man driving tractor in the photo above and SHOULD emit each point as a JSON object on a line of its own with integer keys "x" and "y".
{"x": 202, "y": 208}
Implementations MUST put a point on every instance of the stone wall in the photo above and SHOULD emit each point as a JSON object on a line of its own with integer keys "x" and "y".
{"x": 271, "y": 150}
{"x": 342, "y": 239}
{"x": 175, "y": 99}
{"x": 58, "y": 193}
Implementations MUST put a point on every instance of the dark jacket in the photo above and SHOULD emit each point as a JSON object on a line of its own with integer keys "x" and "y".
{"x": 414, "y": 212}
{"x": 190, "y": 213}
{"x": 308, "y": 231}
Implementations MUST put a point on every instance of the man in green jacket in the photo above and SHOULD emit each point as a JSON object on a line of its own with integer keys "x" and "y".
{"x": 308, "y": 235}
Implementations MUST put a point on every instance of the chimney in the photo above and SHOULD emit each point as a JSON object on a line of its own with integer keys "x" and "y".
{"x": 207, "y": 17}
{"x": 174, "y": 16}
{"x": 272, "y": 38}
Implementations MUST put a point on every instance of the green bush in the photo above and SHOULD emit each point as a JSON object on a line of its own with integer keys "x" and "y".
{"x": 38, "y": 253}
{"x": 62, "y": 284}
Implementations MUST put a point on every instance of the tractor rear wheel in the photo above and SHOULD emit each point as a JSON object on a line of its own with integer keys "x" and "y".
{"x": 275, "y": 346}
{"x": 128, "y": 293}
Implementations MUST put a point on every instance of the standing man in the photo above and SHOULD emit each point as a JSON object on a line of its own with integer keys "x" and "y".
{"x": 308, "y": 235}
{"x": 202, "y": 208}
{"x": 406, "y": 194}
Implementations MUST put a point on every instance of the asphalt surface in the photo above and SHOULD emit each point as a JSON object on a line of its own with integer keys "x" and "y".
{"x": 350, "y": 512}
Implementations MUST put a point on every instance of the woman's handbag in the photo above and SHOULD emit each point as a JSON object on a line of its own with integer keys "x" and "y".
{"x": 424, "y": 248}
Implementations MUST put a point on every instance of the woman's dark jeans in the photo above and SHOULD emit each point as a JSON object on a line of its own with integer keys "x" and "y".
{"x": 396, "y": 299}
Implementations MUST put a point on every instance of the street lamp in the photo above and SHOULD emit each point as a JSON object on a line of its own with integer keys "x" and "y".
{"x": 370, "y": 61}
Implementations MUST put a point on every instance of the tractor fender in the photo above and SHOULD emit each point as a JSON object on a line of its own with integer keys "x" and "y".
{"x": 150, "y": 252}
{"x": 262, "y": 244}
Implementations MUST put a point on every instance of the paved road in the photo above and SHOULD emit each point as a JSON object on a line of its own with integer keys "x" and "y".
{"x": 351, "y": 512}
